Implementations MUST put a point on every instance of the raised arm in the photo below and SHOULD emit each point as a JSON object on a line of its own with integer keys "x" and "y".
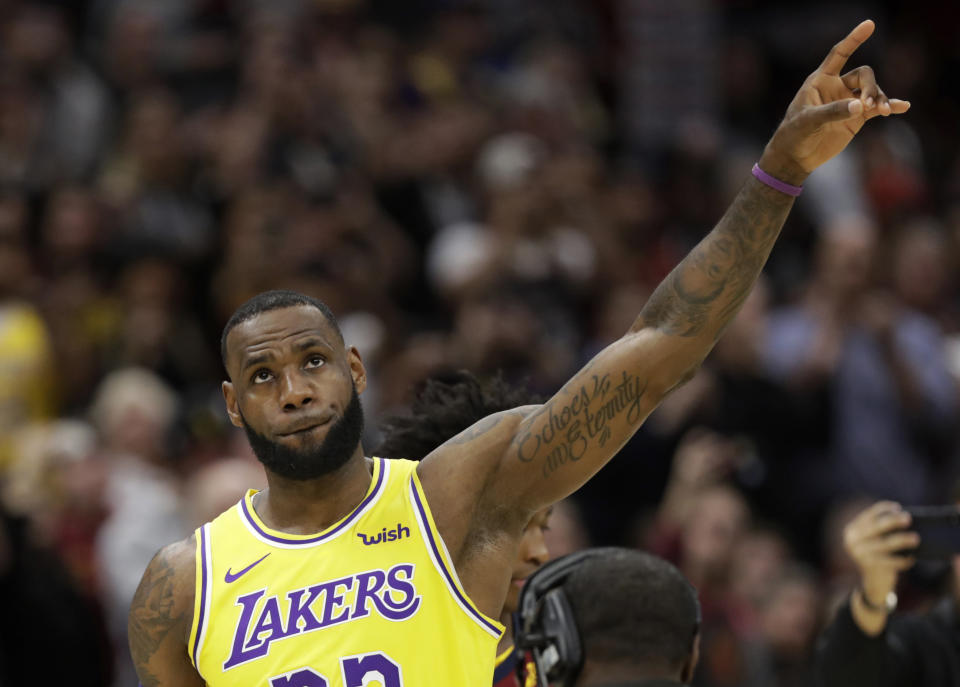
{"x": 158, "y": 626}
{"x": 532, "y": 461}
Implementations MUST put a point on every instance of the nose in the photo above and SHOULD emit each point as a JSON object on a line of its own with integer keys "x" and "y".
{"x": 535, "y": 546}
{"x": 295, "y": 391}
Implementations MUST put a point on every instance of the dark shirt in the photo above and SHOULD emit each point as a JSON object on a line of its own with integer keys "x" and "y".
{"x": 912, "y": 650}
{"x": 49, "y": 631}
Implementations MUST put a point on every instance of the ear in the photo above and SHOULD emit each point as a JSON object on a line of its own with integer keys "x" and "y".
{"x": 357, "y": 370}
{"x": 233, "y": 408}
{"x": 690, "y": 667}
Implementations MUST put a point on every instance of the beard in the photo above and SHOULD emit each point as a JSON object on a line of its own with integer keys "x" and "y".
{"x": 312, "y": 461}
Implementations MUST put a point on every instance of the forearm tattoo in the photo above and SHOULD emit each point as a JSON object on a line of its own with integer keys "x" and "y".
{"x": 703, "y": 293}
{"x": 581, "y": 420}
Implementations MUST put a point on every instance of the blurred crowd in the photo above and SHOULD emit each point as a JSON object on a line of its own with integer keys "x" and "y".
{"x": 477, "y": 184}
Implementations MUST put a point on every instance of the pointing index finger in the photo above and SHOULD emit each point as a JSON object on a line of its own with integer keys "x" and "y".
{"x": 839, "y": 54}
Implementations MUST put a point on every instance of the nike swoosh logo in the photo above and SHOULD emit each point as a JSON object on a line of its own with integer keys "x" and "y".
{"x": 233, "y": 577}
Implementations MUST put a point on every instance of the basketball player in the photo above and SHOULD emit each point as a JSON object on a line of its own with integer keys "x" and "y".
{"x": 348, "y": 570}
{"x": 443, "y": 408}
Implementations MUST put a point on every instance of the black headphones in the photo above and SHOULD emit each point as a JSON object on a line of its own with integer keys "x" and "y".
{"x": 545, "y": 624}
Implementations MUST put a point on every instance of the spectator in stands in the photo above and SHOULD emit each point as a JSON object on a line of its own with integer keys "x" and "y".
{"x": 868, "y": 643}
{"x": 27, "y": 391}
{"x": 878, "y": 364}
{"x": 43, "y": 616}
{"x": 780, "y": 654}
{"x": 133, "y": 411}
{"x": 57, "y": 484}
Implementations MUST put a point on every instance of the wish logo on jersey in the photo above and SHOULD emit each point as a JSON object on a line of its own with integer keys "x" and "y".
{"x": 389, "y": 593}
{"x": 399, "y": 532}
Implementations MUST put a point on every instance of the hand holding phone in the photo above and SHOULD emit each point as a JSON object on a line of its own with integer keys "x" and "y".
{"x": 880, "y": 544}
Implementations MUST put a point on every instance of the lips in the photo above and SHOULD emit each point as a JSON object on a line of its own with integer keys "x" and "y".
{"x": 304, "y": 426}
{"x": 519, "y": 579}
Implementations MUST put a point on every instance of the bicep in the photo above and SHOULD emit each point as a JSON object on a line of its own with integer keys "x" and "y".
{"x": 160, "y": 617}
{"x": 456, "y": 475}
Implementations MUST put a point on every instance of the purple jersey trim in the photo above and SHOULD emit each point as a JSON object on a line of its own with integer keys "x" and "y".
{"x": 324, "y": 535}
{"x": 204, "y": 575}
{"x": 446, "y": 573}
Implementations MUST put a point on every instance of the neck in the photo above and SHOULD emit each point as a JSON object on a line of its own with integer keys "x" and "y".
{"x": 506, "y": 641}
{"x": 309, "y": 506}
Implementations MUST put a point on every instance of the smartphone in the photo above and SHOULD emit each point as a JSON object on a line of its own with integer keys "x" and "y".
{"x": 939, "y": 530}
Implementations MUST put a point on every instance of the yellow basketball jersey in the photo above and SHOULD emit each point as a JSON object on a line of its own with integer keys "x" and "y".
{"x": 372, "y": 600}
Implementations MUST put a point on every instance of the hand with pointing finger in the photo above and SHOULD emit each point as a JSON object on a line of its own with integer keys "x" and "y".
{"x": 827, "y": 112}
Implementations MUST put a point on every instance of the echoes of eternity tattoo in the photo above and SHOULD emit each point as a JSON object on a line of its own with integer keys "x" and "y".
{"x": 582, "y": 420}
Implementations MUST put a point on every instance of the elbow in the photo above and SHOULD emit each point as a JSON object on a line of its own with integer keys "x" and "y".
{"x": 668, "y": 381}
{"x": 686, "y": 376}
{"x": 668, "y": 362}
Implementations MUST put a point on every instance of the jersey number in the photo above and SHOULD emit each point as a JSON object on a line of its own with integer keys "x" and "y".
{"x": 362, "y": 670}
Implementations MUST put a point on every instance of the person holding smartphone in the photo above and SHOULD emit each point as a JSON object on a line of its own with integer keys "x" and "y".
{"x": 867, "y": 643}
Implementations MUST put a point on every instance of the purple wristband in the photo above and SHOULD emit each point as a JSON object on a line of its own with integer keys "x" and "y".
{"x": 773, "y": 182}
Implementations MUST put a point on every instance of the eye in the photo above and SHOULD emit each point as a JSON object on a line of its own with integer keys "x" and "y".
{"x": 262, "y": 375}
{"x": 315, "y": 361}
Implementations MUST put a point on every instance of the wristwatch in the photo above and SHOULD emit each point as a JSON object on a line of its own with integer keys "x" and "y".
{"x": 889, "y": 603}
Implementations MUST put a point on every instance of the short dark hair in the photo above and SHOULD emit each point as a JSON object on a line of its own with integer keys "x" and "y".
{"x": 633, "y": 609}
{"x": 273, "y": 300}
{"x": 443, "y": 407}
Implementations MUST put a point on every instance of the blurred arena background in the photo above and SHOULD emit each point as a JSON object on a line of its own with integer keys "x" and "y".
{"x": 491, "y": 185}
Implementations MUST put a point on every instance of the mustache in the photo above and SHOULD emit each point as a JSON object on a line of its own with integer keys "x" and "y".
{"x": 314, "y": 460}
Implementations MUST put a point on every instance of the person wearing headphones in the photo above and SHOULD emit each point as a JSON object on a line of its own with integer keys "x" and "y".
{"x": 610, "y": 617}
